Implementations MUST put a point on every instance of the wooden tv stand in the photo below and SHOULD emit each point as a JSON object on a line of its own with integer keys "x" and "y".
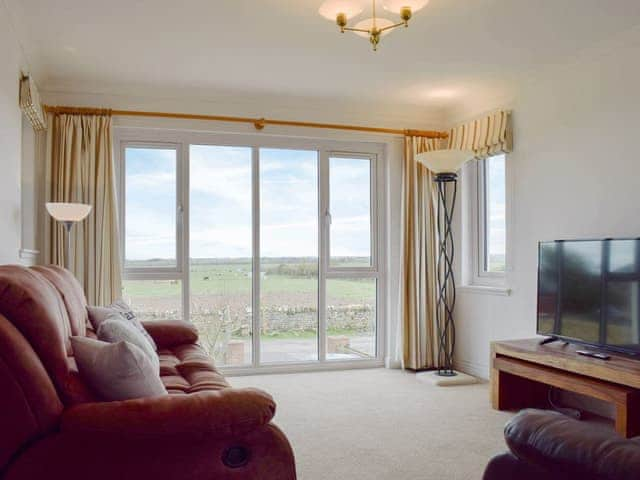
{"x": 523, "y": 370}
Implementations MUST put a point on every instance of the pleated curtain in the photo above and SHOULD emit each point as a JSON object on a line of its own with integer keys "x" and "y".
{"x": 79, "y": 169}
{"x": 485, "y": 136}
{"x": 418, "y": 283}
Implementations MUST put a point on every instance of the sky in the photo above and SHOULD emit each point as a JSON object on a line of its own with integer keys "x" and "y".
{"x": 220, "y": 203}
{"x": 496, "y": 204}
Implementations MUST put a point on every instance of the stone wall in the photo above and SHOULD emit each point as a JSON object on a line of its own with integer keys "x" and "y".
{"x": 279, "y": 319}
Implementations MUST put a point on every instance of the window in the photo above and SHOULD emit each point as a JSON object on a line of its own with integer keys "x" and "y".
{"x": 488, "y": 207}
{"x": 350, "y": 207}
{"x": 271, "y": 247}
{"x": 288, "y": 255}
{"x": 220, "y": 251}
{"x": 351, "y": 289}
{"x": 493, "y": 226}
{"x": 152, "y": 233}
{"x": 150, "y": 208}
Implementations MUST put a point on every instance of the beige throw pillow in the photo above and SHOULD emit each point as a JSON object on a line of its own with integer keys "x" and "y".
{"x": 116, "y": 371}
{"x": 97, "y": 315}
{"x": 114, "y": 329}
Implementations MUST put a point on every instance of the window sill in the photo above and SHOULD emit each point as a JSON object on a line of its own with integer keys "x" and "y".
{"x": 485, "y": 290}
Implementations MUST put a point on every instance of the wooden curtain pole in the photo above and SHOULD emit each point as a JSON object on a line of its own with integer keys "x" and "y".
{"x": 258, "y": 123}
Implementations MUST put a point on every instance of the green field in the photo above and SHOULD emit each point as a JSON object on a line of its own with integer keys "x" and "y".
{"x": 221, "y": 304}
{"x": 233, "y": 277}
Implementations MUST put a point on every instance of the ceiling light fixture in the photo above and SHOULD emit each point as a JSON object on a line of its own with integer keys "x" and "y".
{"x": 342, "y": 11}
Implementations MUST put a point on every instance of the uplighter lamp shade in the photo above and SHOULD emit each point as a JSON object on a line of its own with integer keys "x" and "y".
{"x": 444, "y": 161}
{"x": 68, "y": 212}
{"x": 368, "y": 25}
{"x": 395, "y": 6}
{"x": 331, "y": 8}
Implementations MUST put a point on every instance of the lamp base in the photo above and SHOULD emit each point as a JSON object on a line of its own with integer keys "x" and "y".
{"x": 458, "y": 378}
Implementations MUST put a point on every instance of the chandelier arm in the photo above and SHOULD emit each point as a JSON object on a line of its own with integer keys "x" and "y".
{"x": 395, "y": 25}
{"x": 352, "y": 29}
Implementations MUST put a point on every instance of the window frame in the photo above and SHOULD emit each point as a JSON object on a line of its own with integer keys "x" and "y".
{"x": 477, "y": 273}
{"x": 373, "y": 214}
{"x": 327, "y": 148}
{"x": 121, "y": 173}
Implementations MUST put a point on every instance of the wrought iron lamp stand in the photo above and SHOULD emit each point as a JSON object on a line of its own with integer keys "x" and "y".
{"x": 447, "y": 186}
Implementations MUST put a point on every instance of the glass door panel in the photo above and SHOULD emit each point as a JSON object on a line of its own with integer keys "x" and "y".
{"x": 221, "y": 251}
{"x": 350, "y": 207}
{"x": 154, "y": 299}
{"x": 351, "y": 318}
{"x": 150, "y": 177}
{"x": 288, "y": 255}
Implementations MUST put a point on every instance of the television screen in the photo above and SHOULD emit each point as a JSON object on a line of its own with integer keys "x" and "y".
{"x": 589, "y": 292}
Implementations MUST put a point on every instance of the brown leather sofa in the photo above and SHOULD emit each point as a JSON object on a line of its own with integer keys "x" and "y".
{"x": 53, "y": 426}
{"x": 551, "y": 446}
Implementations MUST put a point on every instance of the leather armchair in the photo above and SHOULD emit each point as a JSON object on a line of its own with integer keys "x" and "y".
{"x": 549, "y": 445}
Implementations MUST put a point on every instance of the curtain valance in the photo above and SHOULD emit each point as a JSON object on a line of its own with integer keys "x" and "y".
{"x": 486, "y": 136}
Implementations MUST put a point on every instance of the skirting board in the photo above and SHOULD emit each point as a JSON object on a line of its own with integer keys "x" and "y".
{"x": 432, "y": 378}
{"x": 479, "y": 370}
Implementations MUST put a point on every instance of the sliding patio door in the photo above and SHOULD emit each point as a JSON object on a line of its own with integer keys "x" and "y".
{"x": 288, "y": 255}
{"x": 352, "y": 272}
{"x": 272, "y": 251}
{"x": 221, "y": 251}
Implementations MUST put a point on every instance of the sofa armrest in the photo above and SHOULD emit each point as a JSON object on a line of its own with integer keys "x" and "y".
{"x": 170, "y": 333}
{"x": 559, "y": 444}
{"x": 227, "y": 412}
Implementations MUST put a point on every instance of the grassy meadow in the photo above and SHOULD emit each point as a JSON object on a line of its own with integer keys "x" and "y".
{"x": 288, "y": 281}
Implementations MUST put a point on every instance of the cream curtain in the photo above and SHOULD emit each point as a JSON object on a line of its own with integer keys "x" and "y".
{"x": 79, "y": 168}
{"x": 418, "y": 285}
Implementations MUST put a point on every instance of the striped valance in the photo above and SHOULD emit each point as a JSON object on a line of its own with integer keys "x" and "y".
{"x": 424, "y": 144}
{"x": 485, "y": 136}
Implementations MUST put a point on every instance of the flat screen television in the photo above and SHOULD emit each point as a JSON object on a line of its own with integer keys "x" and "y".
{"x": 589, "y": 292}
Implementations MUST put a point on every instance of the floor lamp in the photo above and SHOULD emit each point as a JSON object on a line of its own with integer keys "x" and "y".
{"x": 68, "y": 214}
{"x": 444, "y": 164}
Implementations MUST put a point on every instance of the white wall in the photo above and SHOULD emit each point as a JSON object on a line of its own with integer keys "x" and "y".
{"x": 11, "y": 63}
{"x": 575, "y": 173}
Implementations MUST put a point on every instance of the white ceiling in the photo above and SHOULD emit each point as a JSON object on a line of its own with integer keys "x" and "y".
{"x": 453, "y": 50}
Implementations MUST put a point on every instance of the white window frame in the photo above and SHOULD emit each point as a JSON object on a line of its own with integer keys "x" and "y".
{"x": 121, "y": 171}
{"x": 144, "y": 137}
{"x": 154, "y": 273}
{"x": 476, "y": 274}
{"x": 373, "y": 267}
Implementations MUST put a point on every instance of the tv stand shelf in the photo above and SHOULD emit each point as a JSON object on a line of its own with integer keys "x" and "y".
{"x": 523, "y": 370}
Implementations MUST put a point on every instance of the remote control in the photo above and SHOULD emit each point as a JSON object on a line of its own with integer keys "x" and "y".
{"x": 598, "y": 355}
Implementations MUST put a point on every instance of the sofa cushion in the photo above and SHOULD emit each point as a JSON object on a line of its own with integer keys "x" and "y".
{"x": 29, "y": 402}
{"x": 72, "y": 295}
{"x": 97, "y": 315}
{"x": 35, "y": 307}
{"x": 188, "y": 369}
{"x": 115, "y": 329}
{"x": 116, "y": 371}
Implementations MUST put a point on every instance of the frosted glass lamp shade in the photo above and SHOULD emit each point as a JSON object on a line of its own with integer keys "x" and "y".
{"x": 368, "y": 24}
{"x": 444, "y": 161}
{"x": 331, "y": 8}
{"x": 396, "y": 6}
{"x": 68, "y": 212}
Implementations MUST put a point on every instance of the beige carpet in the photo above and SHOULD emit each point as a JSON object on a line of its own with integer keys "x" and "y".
{"x": 383, "y": 425}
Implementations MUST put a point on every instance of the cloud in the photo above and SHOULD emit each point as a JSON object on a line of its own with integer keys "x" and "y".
{"x": 221, "y": 199}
